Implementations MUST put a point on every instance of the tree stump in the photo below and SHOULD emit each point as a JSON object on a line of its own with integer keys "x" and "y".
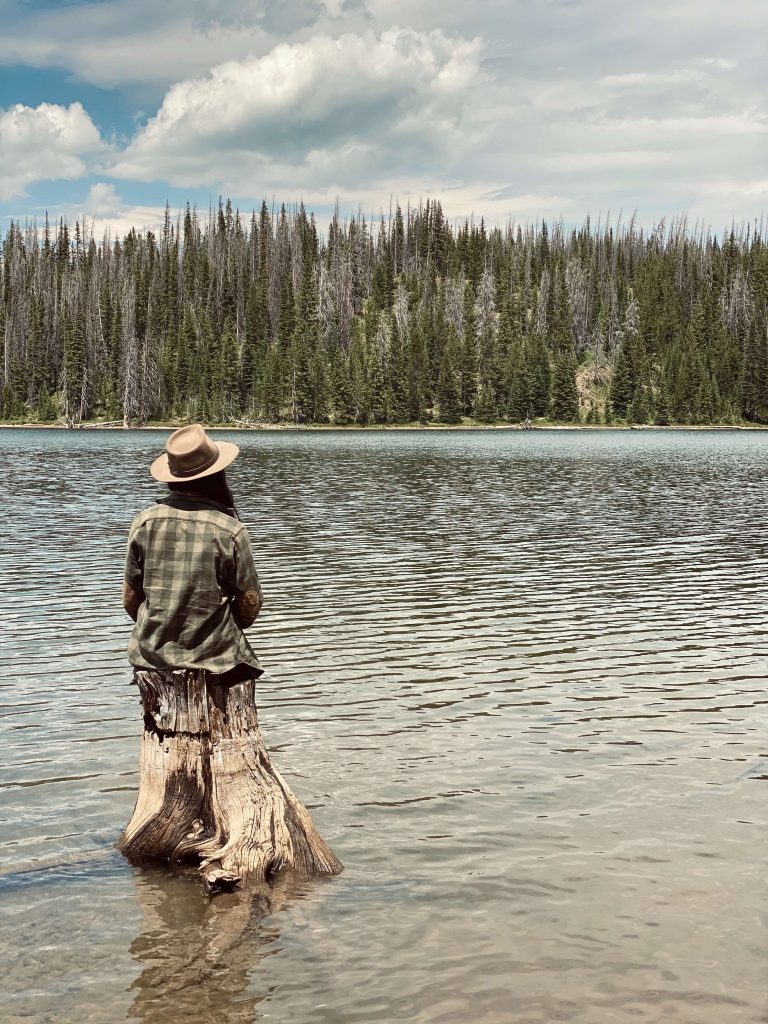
{"x": 208, "y": 793}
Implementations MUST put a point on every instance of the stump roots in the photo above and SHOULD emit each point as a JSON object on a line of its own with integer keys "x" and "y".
{"x": 208, "y": 793}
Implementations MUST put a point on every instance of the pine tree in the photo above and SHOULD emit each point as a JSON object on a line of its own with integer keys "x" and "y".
{"x": 565, "y": 397}
{"x": 356, "y": 327}
{"x": 485, "y": 409}
{"x": 419, "y": 397}
{"x": 399, "y": 410}
{"x": 272, "y": 387}
{"x": 754, "y": 388}
{"x": 226, "y": 376}
{"x": 540, "y": 377}
{"x": 639, "y": 410}
{"x": 662, "y": 413}
{"x": 344, "y": 405}
{"x": 75, "y": 378}
{"x": 12, "y": 406}
{"x": 622, "y": 389}
{"x": 519, "y": 402}
{"x": 448, "y": 395}
{"x": 468, "y": 369}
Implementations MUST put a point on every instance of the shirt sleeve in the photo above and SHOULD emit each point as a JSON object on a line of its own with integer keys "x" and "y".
{"x": 246, "y": 586}
{"x": 134, "y": 561}
{"x": 133, "y": 589}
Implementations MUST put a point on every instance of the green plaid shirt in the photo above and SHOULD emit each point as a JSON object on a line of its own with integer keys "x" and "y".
{"x": 191, "y": 560}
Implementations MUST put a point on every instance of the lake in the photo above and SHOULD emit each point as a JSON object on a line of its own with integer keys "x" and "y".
{"x": 519, "y": 678}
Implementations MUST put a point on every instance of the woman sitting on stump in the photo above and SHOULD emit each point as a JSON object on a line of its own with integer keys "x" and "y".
{"x": 190, "y": 582}
{"x": 208, "y": 793}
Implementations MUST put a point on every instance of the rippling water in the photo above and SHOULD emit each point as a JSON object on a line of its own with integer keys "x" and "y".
{"x": 519, "y": 678}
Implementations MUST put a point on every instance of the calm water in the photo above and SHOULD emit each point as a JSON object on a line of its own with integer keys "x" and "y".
{"x": 519, "y": 678}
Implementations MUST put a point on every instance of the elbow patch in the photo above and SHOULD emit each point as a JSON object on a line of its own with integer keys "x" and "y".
{"x": 249, "y": 604}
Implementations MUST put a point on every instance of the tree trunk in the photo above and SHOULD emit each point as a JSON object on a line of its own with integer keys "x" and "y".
{"x": 208, "y": 793}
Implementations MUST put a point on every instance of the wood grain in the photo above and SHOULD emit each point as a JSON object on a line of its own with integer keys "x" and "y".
{"x": 208, "y": 793}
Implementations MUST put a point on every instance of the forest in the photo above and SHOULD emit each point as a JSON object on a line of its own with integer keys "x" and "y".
{"x": 402, "y": 319}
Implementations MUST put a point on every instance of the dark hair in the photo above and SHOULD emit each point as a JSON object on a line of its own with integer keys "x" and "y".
{"x": 213, "y": 487}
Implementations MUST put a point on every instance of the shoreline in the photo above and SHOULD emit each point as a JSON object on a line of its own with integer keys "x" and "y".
{"x": 425, "y": 427}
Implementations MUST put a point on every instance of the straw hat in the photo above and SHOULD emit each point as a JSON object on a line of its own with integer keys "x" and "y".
{"x": 190, "y": 454}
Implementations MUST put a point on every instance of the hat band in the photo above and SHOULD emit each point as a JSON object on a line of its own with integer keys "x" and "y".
{"x": 198, "y": 469}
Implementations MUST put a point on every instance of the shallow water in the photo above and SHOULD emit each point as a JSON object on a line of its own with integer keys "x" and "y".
{"x": 519, "y": 679}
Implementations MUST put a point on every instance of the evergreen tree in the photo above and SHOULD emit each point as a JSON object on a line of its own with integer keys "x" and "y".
{"x": 622, "y": 389}
{"x": 419, "y": 397}
{"x": 449, "y": 399}
{"x": 468, "y": 369}
{"x": 485, "y": 408}
{"x": 754, "y": 387}
{"x": 565, "y": 397}
{"x": 662, "y": 414}
{"x": 639, "y": 410}
{"x": 74, "y": 368}
{"x": 540, "y": 377}
{"x": 271, "y": 391}
{"x": 225, "y": 376}
{"x": 269, "y": 319}
{"x": 400, "y": 399}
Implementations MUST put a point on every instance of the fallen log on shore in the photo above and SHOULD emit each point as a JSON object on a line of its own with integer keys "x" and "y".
{"x": 208, "y": 793}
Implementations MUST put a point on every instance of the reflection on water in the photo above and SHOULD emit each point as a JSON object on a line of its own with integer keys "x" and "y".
{"x": 189, "y": 943}
{"x": 519, "y": 679}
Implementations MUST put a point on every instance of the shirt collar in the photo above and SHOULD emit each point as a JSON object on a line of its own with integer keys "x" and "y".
{"x": 193, "y": 502}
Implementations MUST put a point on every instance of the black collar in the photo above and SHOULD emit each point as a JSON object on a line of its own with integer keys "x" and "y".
{"x": 194, "y": 502}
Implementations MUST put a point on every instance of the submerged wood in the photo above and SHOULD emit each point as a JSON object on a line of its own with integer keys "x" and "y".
{"x": 208, "y": 793}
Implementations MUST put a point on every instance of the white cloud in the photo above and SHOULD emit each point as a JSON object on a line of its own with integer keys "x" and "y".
{"x": 129, "y": 41}
{"x": 746, "y": 122}
{"x": 496, "y": 202}
{"x": 102, "y": 200}
{"x": 722, "y": 63}
{"x": 118, "y": 224}
{"x": 45, "y": 142}
{"x": 606, "y": 159}
{"x": 327, "y": 111}
{"x": 103, "y": 210}
{"x": 699, "y": 71}
{"x": 638, "y": 79}
{"x": 731, "y": 188}
{"x": 566, "y": 108}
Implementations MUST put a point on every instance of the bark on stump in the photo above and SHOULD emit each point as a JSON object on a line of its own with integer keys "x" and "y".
{"x": 208, "y": 793}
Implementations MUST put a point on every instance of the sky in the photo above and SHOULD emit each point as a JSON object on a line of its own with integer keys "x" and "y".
{"x": 506, "y": 109}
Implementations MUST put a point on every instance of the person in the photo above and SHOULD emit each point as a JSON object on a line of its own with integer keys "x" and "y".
{"x": 191, "y": 586}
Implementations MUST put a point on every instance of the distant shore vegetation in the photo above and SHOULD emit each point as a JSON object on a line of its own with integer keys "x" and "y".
{"x": 408, "y": 319}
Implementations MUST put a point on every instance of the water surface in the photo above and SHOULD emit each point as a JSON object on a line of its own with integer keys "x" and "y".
{"x": 519, "y": 679}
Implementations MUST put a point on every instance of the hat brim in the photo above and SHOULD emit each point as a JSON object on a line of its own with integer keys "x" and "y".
{"x": 161, "y": 471}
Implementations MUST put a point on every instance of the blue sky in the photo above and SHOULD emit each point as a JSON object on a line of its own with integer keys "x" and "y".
{"x": 518, "y": 109}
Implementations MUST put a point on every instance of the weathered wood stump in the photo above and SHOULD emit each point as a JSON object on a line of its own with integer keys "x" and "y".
{"x": 208, "y": 793}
